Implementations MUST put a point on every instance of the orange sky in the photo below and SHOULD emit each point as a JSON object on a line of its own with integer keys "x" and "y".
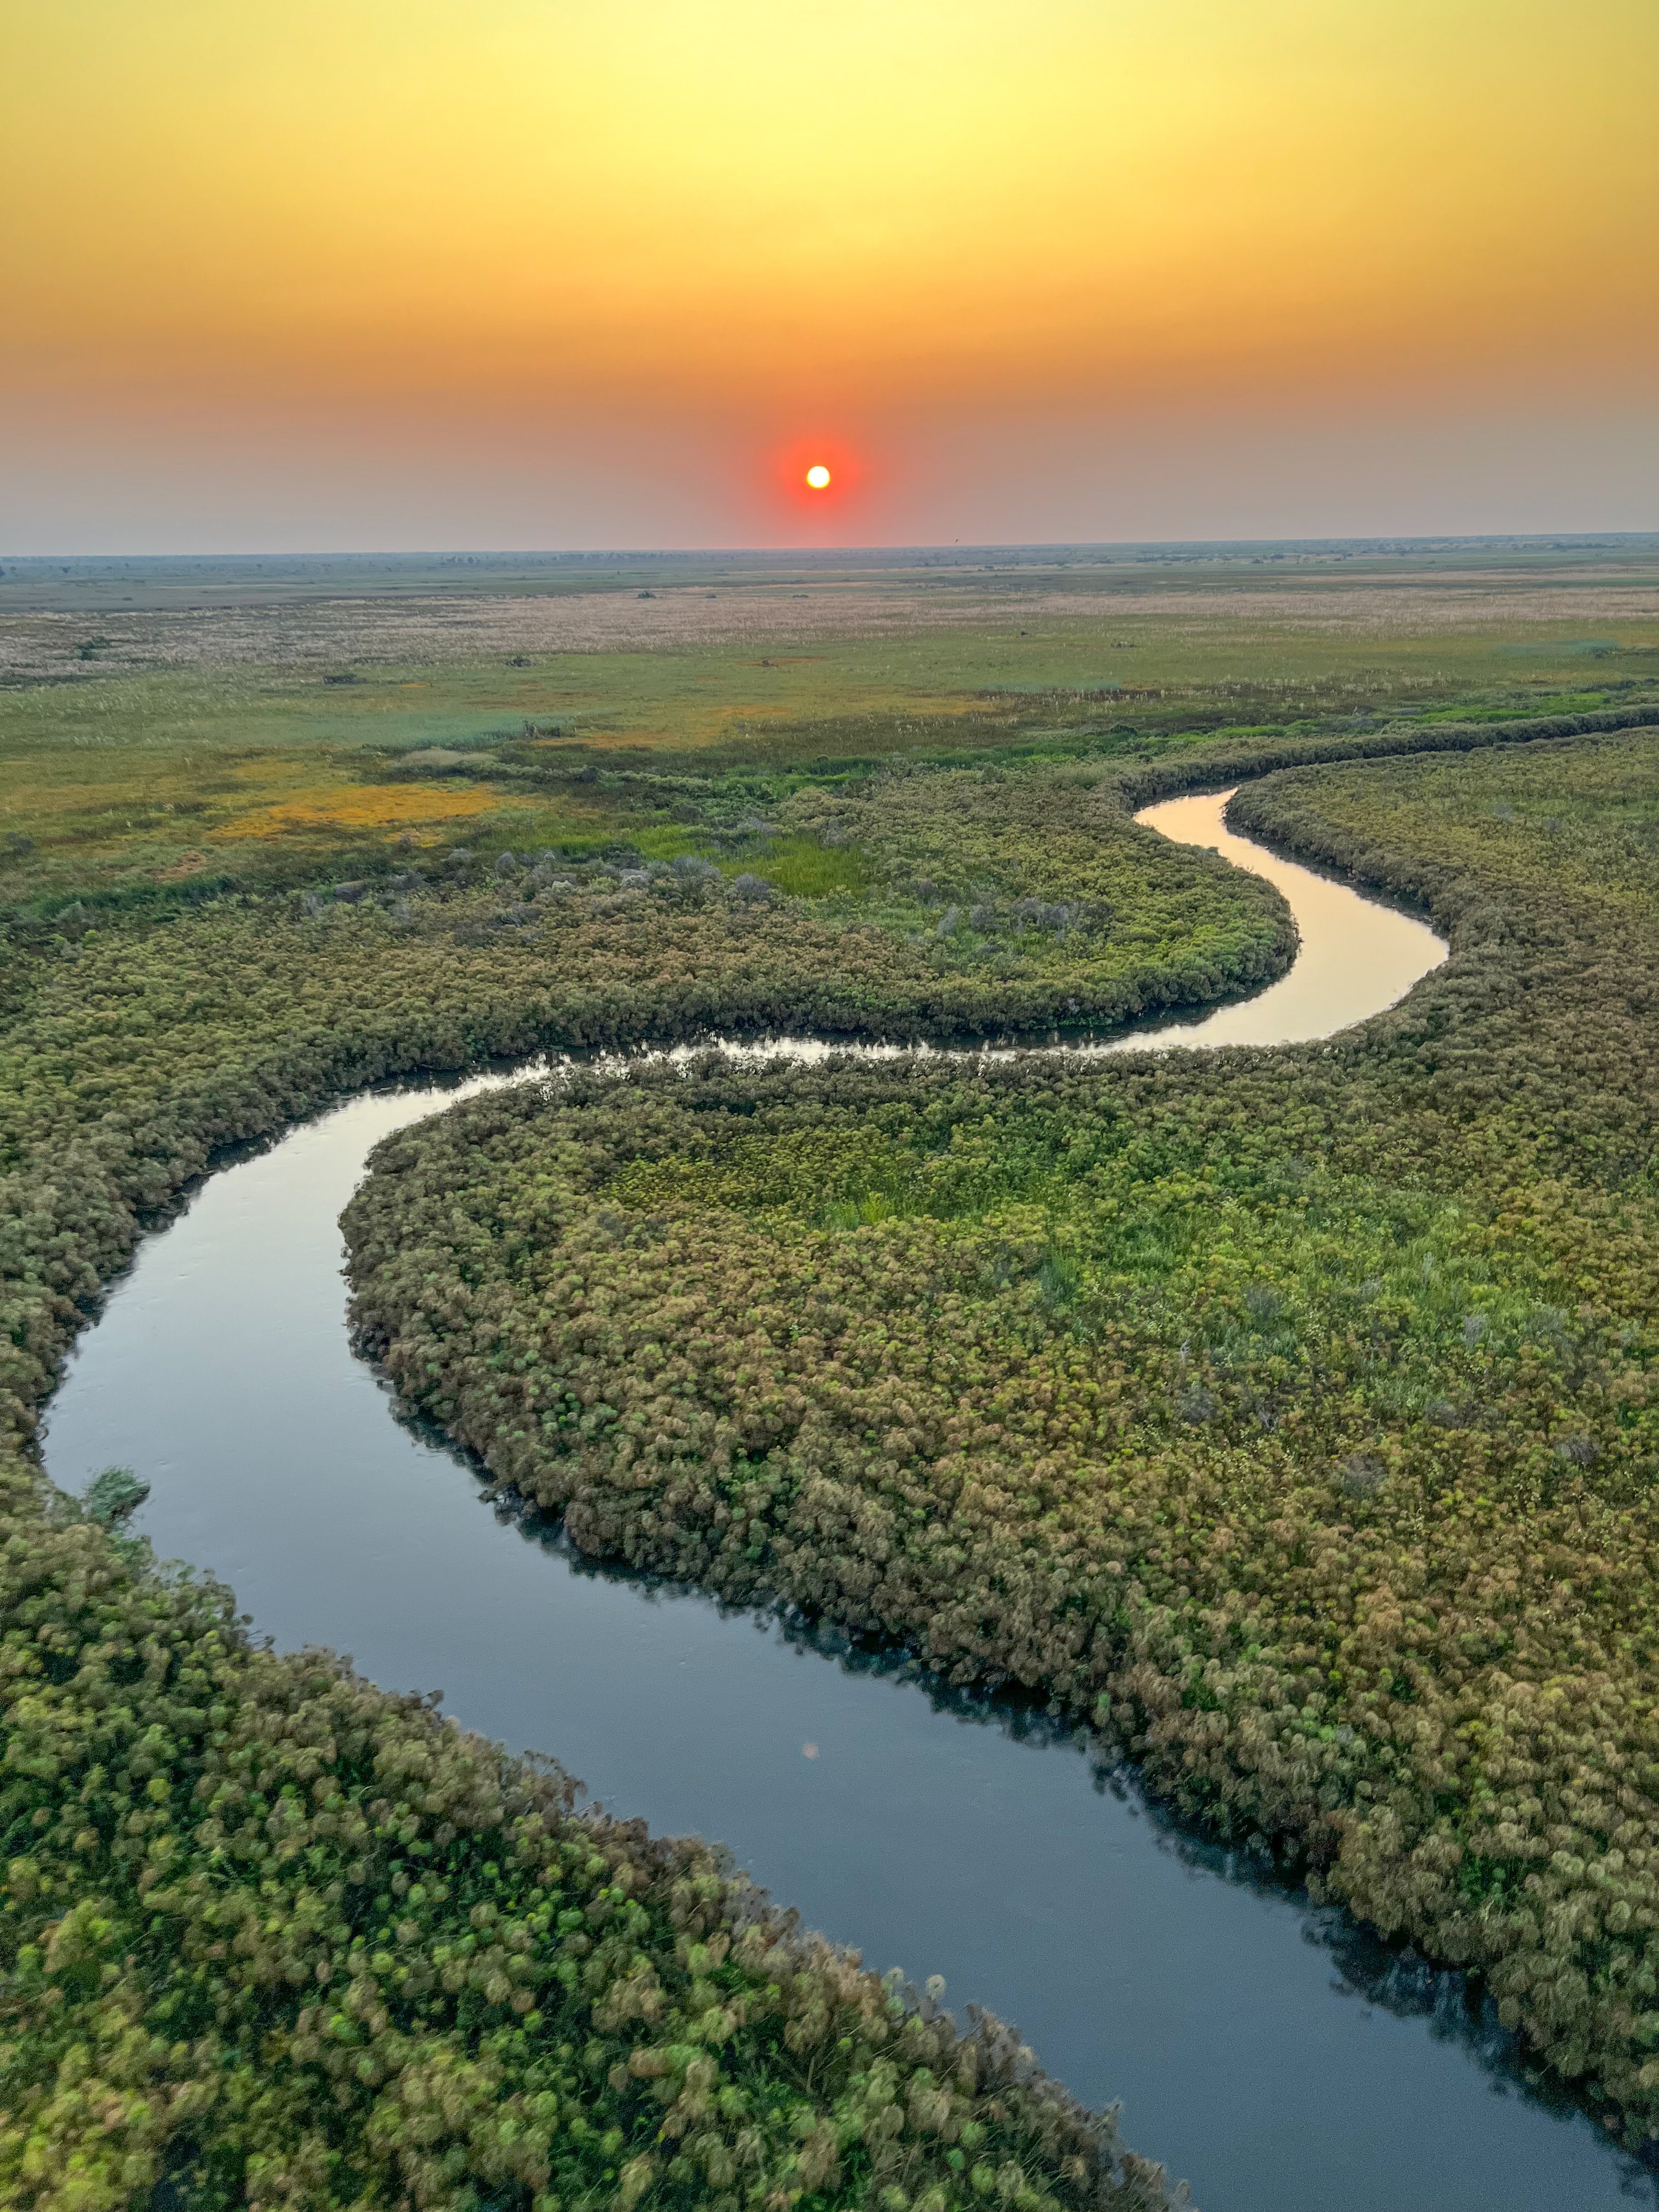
{"x": 570, "y": 264}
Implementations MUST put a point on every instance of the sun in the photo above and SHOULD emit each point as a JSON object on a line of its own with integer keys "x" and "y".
{"x": 818, "y": 475}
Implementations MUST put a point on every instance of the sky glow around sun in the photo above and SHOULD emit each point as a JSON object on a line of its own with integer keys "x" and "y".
{"x": 1331, "y": 264}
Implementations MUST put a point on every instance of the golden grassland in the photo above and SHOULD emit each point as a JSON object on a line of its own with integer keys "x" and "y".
{"x": 290, "y": 733}
{"x": 362, "y": 806}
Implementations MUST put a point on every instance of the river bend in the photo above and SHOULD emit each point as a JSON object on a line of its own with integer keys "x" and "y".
{"x": 1267, "y": 2051}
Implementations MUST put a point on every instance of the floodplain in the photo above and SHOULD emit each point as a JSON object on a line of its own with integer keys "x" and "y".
{"x": 1280, "y": 1417}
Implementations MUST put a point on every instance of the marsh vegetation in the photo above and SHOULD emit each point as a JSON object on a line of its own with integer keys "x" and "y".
{"x": 1286, "y": 1414}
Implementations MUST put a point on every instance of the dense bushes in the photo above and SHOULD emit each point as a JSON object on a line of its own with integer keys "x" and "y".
{"x": 274, "y": 1938}
{"x": 243, "y": 1886}
{"x": 270, "y": 1936}
{"x": 1290, "y": 1412}
{"x": 132, "y": 1054}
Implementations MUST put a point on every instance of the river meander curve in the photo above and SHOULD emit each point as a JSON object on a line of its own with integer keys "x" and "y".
{"x": 1265, "y": 2050}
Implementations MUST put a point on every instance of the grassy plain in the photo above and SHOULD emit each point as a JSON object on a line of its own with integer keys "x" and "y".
{"x": 266, "y": 733}
{"x": 1373, "y": 1582}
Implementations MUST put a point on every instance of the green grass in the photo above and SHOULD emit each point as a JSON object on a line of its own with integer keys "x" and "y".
{"x": 200, "y": 742}
{"x": 803, "y": 868}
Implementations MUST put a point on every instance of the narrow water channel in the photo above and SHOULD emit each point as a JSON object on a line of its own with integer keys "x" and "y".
{"x": 1264, "y": 2050}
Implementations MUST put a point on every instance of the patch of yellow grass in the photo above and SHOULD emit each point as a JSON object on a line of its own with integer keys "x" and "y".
{"x": 190, "y": 865}
{"x": 360, "y": 807}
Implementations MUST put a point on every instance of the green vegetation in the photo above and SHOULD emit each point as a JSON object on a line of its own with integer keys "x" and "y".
{"x": 253, "y": 725}
{"x": 274, "y": 1938}
{"x": 136, "y": 1046}
{"x": 1288, "y": 1412}
{"x": 270, "y": 1936}
{"x": 1188, "y": 1353}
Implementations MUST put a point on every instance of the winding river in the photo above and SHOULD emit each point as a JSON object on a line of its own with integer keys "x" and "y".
{"x": 1267, "y": 2050}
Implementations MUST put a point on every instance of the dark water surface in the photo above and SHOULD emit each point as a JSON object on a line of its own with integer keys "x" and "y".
{"x": 1265, "y": 2050}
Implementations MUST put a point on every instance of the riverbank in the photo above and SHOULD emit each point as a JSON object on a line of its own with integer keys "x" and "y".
{"x": 41, "y": 1339}
{"x": 1286, "y": 1411}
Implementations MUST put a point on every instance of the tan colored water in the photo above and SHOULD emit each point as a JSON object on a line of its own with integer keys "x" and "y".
{"x": 1356, "y": 956}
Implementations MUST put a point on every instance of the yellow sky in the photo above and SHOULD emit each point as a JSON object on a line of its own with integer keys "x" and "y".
{"x": 825, "y": 204}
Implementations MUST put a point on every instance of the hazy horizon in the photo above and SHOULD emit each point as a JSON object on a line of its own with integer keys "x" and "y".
{"x": 1597, "y": 475}
{"x": 1070, "y": 549}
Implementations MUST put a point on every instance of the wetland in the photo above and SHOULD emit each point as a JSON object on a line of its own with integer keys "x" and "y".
{"x": 1224, "y": 1473}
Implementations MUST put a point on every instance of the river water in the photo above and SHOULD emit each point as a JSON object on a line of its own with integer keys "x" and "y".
{"x": 1267, "y": 2050}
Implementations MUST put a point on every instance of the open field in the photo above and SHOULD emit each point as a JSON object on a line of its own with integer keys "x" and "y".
{"x": 267, "y": 738}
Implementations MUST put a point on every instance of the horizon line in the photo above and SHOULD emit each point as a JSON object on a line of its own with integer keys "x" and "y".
{"x": 1561, "y": 539}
